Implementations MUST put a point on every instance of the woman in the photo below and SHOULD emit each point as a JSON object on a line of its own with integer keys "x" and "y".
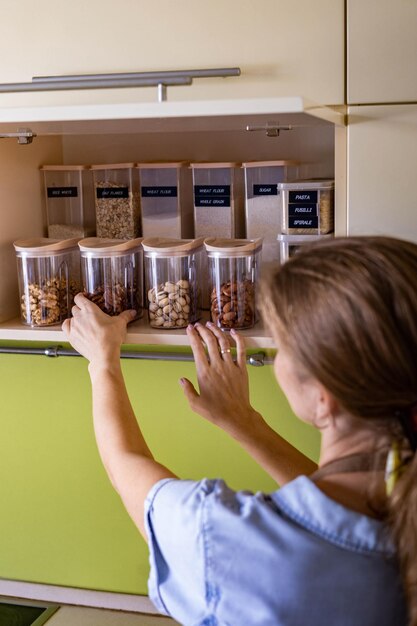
{"x": 337, "y": 545}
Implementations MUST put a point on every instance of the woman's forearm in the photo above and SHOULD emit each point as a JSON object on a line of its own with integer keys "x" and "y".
{"x": 272, "y": 452}
{"x": 126, "y": 457}
{"x": 116, "y": 428}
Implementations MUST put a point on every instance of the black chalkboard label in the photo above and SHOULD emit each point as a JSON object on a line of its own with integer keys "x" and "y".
{"x": 265, "y": 190}
{"x": 303, "y": 195}
{"x": 106, "y": 193}
{"x": 62, "y": 192}
{"x": 212, "y": 190}
{"x": 303, "y": 222}
{"x": 302, "y": 210}
{"x": 211, "y": 201}
{"x": 159, "y": 192}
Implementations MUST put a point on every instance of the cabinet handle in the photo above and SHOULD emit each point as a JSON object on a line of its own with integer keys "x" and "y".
{"x": 161, "y": 80}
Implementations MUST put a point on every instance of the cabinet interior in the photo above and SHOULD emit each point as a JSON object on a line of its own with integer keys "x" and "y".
{"x": 311, "y": 141}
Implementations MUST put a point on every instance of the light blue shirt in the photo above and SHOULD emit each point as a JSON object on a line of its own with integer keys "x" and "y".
{"x": 293, "y": 558}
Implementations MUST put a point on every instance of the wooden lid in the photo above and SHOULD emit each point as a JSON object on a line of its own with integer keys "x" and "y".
{"x": 171, "y": 247}
{"x": 232, "y": 247}
{"x": 45, "y": 246}
{"x": 63, "y": 168}
{"x": 156, "y": 165}
{"x": 113, "y": 166}
{"x": 100, "y": 245}
{"x": 270, "y": 163}
{"x": 213, "y": 165}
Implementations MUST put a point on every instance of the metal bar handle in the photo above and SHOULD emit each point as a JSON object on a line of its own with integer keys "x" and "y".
{"x": 118, "y": 80}
{"x": 220, "y": 72}
{"x": 257, "y": 360}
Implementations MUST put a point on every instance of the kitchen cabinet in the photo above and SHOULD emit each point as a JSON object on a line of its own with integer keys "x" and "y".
{"x": 382, "y": 157}
{"x": 283, "y": 48}
{"x": 65, "y": 526}
{"x": 381, "y": 51}
{"x": 191, "y": 131}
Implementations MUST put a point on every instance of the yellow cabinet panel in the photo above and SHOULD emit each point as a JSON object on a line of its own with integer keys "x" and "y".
{"x": 282, "y": 47}
{"x": 382, "y": 51}
{"x": 382, "y": 157}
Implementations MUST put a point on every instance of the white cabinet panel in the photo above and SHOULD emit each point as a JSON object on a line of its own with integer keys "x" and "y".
{"x": 382, "y": 51}
{"x": 282, "y": 47}
{"x": 382, "y": 171}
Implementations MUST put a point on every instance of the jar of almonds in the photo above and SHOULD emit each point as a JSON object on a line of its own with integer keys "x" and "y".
{"x": 112, "y": 274}
{"x": 233, "y": 266}
{"x": 172, "y": 271}
{"x": 49, "y": 278}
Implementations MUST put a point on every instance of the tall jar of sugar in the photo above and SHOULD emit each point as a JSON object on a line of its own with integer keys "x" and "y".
{"x": 112, "y": 274}
{"x": 263, "y": 202}
{"x": 172, "y": 273}
{"x": 233, "y": 281}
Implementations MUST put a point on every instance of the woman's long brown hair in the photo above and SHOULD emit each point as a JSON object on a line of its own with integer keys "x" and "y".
{"x": 347, "y": 311}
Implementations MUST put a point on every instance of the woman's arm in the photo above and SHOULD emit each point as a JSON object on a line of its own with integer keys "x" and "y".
{"x": 126, "y": 457}
{"x": 223, "y": 399}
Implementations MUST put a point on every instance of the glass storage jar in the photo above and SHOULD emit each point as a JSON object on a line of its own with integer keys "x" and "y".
{"x": 307, "y": 207}
{"x": 263, "y": 202}
{"x": 233, "y": 279}
{"x": 117, "y": 201}
{"x": 291, "y": 244}
{"x": 166, "y": 199}
{"x": 69, "y": 201}
{"x": 172, "y": 271}
{"x": 112, "y": 274}
{"x": 218, "y": 200}
{"x": 49, "y": 278}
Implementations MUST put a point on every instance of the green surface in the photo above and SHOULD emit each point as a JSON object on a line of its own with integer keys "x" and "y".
{"x": 61, "y": 522}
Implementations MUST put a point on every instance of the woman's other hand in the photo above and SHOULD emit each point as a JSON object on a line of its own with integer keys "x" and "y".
{"x": 93, "y": 333}
{"x": 223, "y": 397}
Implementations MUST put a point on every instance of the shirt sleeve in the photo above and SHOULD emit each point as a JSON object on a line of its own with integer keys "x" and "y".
{"x": 174, "y": 520}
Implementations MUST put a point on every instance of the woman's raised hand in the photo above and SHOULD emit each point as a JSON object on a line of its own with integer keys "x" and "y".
{"x": 94, "y": 334}
{"x": 223, "y": 383}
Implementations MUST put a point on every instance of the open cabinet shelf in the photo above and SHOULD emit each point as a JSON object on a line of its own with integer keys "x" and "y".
{"x": 189, "y": 131}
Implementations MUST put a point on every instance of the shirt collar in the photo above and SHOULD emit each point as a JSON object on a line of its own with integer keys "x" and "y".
{"x": 303, "y": 502}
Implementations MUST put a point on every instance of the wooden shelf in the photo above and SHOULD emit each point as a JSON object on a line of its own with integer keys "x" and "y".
{"x": 139, "y": 333}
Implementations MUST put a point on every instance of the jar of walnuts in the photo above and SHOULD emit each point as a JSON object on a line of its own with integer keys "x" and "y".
{"x": 112, "y": 274}
{"x": 233, "y": 266}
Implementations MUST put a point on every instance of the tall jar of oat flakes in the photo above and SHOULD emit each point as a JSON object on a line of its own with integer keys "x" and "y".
{"x": 172, "y": 272}
{"x": 233, "y": 280}
{"x": 117, "y": 201}
{"x": 112, "y": 274}
{"x": 49, "y": 278}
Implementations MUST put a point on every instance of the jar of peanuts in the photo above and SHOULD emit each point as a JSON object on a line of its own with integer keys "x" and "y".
{"x": 233, "y": 277}
{"x": 112, "y": 274}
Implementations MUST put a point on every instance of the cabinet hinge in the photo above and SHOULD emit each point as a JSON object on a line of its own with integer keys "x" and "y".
{"x": 272, "y": 129}
{"x": 24, "y": 136}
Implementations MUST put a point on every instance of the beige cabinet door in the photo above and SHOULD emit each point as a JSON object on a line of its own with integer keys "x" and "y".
{"x": 382, "y": 51}
{"x": 282, "y": 47}
{"x": 382, "y": 171}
